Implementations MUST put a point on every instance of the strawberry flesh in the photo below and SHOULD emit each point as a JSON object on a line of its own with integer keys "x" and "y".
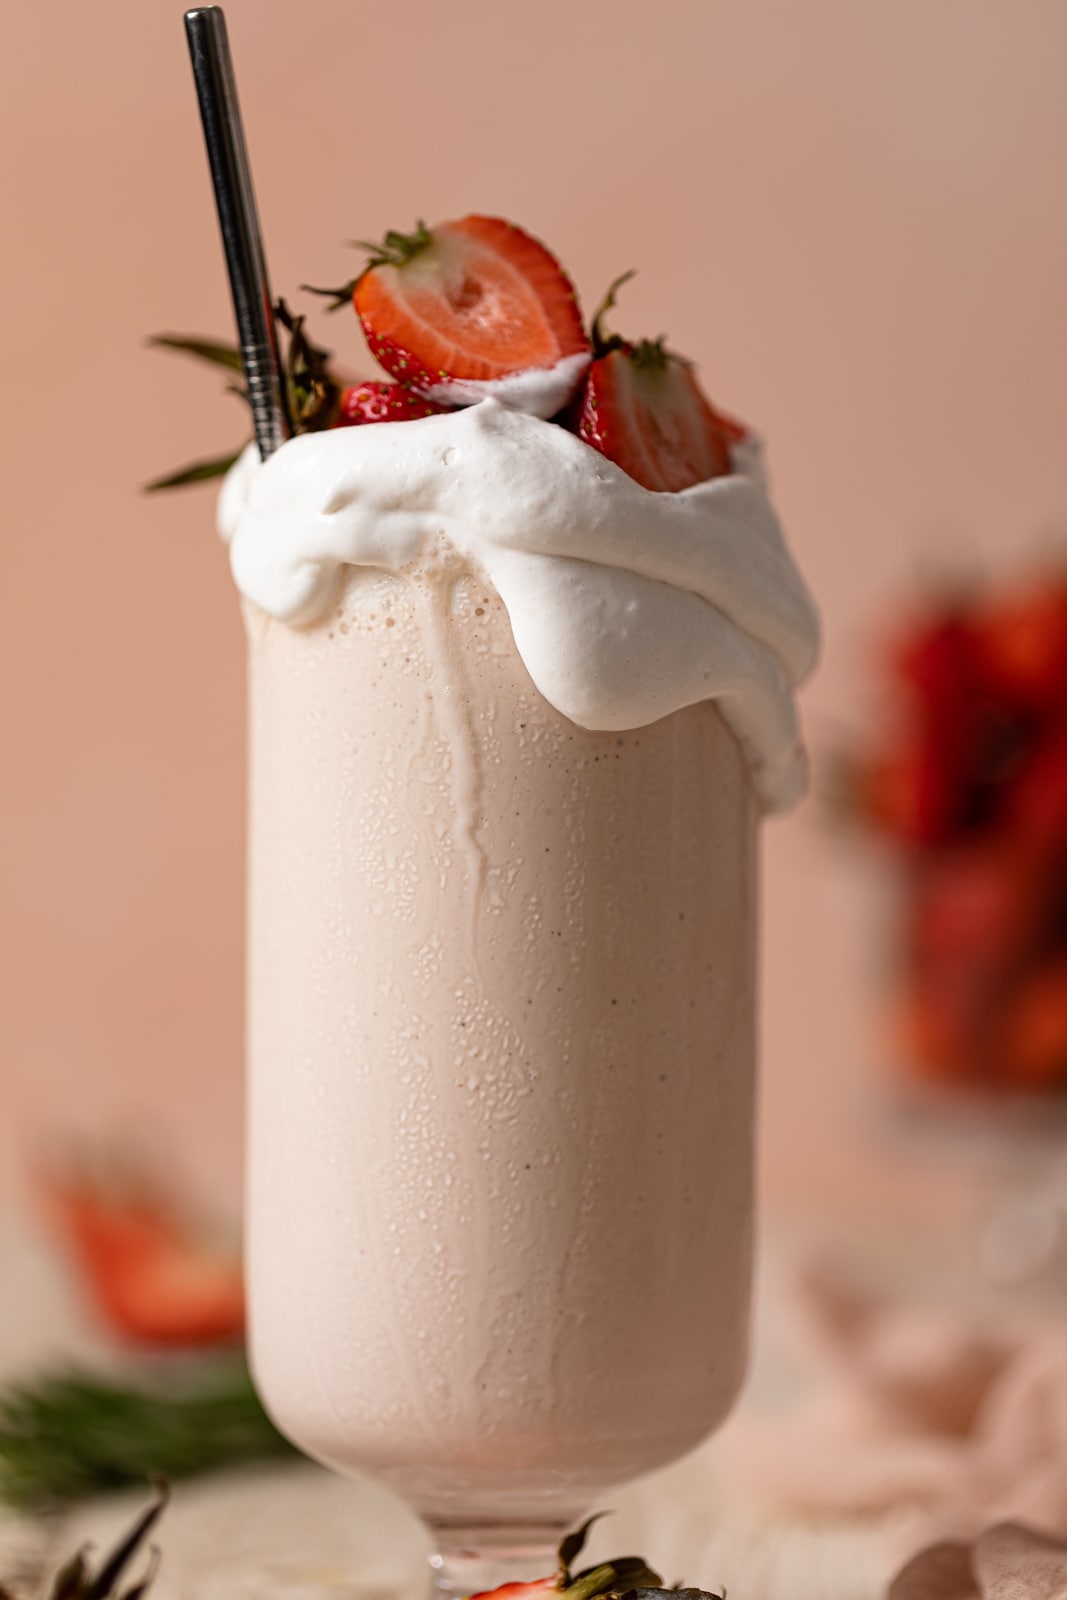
{"x": 382, "y": 402}
{"x": 518, "y": 1591}
{"x": 644, "y": 409}
{"x": 471, "y": 301}
{"x": 153, "y": 1280}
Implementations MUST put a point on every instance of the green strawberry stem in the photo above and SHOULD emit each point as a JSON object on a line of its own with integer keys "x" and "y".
{"x": 573, "y": 1545}
{"x": 395, "y": 250}
{"x": 613, "y": 1577}
{"x": 651, "y": 355}
{"x": 337, "y": 297}
{"x": 608, "y": 1577}
{"x": 603, "y": 342}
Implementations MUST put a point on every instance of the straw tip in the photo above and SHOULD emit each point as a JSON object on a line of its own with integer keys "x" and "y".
{"x": 201, "y": 14}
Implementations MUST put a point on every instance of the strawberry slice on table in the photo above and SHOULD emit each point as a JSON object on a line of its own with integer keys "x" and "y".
{"x": 626, "y": 1575}
{"x": 520, "y": 1591}
{"x": 383, "y": 402}
{"x": 608, "y": 1578}
{"x": 152, "y": 1276}
{"x": 472, "y": 309}
{"x": 643, "y": 408}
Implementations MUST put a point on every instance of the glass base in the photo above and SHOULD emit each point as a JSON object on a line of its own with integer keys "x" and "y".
{"x": 471, "y": 1560}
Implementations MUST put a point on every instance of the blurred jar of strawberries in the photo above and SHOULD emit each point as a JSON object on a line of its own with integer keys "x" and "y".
{"x": 967, "y": 785}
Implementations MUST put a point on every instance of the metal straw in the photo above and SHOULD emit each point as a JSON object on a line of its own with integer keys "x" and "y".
{"x": 239, "y": 222}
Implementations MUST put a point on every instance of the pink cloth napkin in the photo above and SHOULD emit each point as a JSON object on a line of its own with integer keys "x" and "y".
{"x": 1007, "y": 1562}
{"x": 959, "y": 1417}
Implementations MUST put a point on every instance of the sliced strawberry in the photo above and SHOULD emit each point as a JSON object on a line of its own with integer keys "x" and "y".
{"x": 520, "y": 1591}
{"x": 383, "y": 402}
{"x": 623, "y": 1576}
{"x": 471, "y": 309}
{"x": 626, "y": 1575}
{"x": 644, "y": 409}
{"x": 150, "y": 1275}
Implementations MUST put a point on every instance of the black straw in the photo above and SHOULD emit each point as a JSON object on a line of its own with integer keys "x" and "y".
{"x": 239, "y": 223}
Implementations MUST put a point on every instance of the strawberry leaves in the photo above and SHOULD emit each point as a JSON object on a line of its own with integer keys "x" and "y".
{"x": 625, "y": 1578}
{"x": 76, "y": 1579}
{"x": 314, "y": 391}
{"x": 337, "y": 298}
{"x": 617, "y": 1577}
{"x": 573, "y": 1545}
{"x": 620, "y": 1577}
{"x": 196, "y": 472}
{"x": 105, "y": 1582}
{"x": 215, "y": 352}
{"x": 395, "y": 250}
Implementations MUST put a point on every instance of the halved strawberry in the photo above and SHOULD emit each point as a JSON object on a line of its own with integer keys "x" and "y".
{"x": 623, "y": 1576}
{"x": 471, "y": 309}
{"x": 644, "y": 409}
{"x": 520, "y": 1591}
{"x": 151, "y": 1275}
{"x": 383, "y": 402}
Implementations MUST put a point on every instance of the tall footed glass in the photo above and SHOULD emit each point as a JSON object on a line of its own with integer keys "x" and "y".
{"x": 501, "y": 1011}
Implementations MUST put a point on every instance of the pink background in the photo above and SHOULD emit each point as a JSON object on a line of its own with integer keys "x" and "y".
{"x": 851, "y": 215}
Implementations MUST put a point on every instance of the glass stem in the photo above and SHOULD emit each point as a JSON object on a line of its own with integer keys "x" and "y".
{"x": 470, "y": 1560}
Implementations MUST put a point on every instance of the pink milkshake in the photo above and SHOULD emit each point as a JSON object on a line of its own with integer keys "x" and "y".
{"x": 501, "y": 1009}
{"x": 514, "y": 719}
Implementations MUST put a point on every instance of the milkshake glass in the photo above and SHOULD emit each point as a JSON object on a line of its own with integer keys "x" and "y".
{"x": 501, "y": 979}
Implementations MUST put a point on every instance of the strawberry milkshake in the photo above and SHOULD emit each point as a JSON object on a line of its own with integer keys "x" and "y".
{"x": 521, "y": 690}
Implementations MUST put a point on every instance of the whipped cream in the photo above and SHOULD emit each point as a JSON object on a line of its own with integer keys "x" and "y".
{"x": 626, "y": 604}
{"x": 540, "y": 391}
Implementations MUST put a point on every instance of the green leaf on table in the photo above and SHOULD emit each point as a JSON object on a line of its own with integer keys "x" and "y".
{"x": 72, "y": 1434}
